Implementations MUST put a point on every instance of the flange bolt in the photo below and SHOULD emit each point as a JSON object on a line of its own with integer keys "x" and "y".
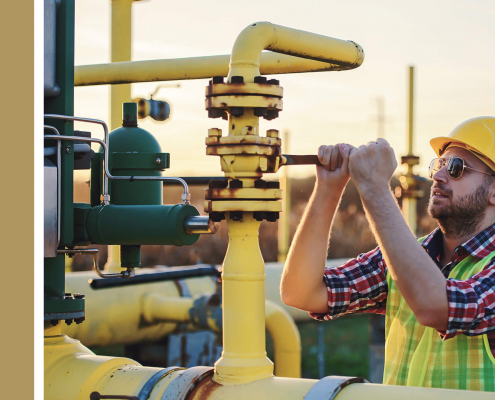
{"x": 273, "y": 133}
{"x": 217, "y": 79}
{"x": 214, "y": 132}
{"x": 260, "y": 79}
{"x": 237, "y": 111}
{"x": 236, "y": 215}
{"x": 237, "y": 79}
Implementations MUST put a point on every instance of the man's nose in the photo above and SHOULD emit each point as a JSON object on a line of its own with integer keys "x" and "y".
{"x": 441, "y": 174}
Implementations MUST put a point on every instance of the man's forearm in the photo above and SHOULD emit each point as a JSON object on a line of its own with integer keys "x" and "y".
{"x": 418, "y": 278}
{"x": 302, "y": 283}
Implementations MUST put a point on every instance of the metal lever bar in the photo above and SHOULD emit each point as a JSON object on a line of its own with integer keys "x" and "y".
{"x": 128, "y": 273}
{"x": 186, "y": 197}
{"x": 292, "y": 159}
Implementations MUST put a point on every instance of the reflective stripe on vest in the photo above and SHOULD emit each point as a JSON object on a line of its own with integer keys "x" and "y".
{"x": 415, "y": 355}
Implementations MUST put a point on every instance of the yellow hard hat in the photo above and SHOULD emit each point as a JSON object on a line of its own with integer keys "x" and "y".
{"x": 476, "y": 135}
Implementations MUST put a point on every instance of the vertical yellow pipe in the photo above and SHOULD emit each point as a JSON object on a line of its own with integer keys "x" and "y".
{"x": 411, "y": 109}
{"x": 409, "y": 202}
{"x": 286, "y": 340}
{"x": 243, "y": 282}
{"x": 120, "y": 51}
{"x": 283, "y": 222}
{"x": 121, "y": 47}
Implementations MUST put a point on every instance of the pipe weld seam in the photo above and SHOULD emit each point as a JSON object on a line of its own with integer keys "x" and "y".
{"x": 243, "y": 277}
{"x": 244, "y": 63}
{"x": 226, "y": 354}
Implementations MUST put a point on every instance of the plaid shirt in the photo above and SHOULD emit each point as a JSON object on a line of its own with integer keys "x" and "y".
{"x": 360, "y": 285}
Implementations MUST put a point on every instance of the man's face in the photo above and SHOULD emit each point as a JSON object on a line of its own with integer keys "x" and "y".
{"x": 459, "y": 205}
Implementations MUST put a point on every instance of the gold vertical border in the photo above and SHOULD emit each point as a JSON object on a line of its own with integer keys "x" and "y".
{"x": 17, "y": 198}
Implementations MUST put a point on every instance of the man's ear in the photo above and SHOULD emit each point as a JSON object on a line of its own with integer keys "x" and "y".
{"x": 491, "y": 199}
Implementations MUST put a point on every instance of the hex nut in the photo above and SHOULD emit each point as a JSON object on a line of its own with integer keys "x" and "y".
{"x": 214, "y": 132}
{"x": 273, "y": 133}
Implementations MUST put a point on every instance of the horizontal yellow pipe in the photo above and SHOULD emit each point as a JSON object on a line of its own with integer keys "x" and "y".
{"x": 113, "y": 316}
{"x": 188, "y": 68}
{"x": 158, "y": 308}
{"x": 286, "y": 341}
{"x": 255, "y": 38}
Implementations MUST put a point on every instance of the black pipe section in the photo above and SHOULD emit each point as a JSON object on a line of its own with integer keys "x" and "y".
{"x": 173, "y": 274}
{"x": 196, "y": 180}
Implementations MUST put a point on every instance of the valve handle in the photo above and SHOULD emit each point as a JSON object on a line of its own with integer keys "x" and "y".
{"x": 98, "y": 396}
{"x": 293, "y": 159}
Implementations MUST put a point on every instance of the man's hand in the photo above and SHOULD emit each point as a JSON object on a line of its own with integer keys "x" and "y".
{"x": 334, "y": 172}
{"x": 371, "y": 166}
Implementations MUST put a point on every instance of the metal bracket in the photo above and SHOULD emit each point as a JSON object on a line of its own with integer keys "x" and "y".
{"x": 330, "y": 386}
{"x": 128, "y": 273}
{"x": 151, "y": 383}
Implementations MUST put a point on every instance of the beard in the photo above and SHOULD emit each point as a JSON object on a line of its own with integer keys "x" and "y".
{"x": 463, "y": 215}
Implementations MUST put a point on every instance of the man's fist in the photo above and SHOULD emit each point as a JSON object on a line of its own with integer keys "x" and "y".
{"x": 371, "y": 166}
{"x": 334, "y": 172}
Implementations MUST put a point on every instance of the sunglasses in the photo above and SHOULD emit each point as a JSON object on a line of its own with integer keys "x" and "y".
{"x": 455, "y": 167}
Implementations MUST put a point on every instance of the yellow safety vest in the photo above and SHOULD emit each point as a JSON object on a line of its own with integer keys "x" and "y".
{"x": 415, "y": 355}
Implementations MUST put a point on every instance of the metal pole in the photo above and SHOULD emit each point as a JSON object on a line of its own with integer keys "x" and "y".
{"x": 283, "y": 222}
{"x": 409, "y": 200}
{"x": 411, "y": 109}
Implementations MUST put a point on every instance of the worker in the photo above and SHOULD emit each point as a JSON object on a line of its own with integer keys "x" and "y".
{"x": 437, "y": 292}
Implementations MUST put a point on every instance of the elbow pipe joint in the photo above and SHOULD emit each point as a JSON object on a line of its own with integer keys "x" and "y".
{"x": 245, "y": 58}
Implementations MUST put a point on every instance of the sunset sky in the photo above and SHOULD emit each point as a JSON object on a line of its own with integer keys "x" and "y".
{"x": 451, "y": 44}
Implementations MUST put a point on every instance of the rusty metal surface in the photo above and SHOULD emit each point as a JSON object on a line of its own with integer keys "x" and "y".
{"x": 242, "y": 205}
{"x": 243, "y": 193}
{"x": 248, "y": 139}
{"x": 182, "y": 386}
{"x": 242, "y": 149}
{"x": 205, "y": 389}
{"x": 226, "y": 101}
{"x": 244, "y": 88}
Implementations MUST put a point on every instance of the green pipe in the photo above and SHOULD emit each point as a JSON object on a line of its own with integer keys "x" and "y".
{"x": 139, "y": 225}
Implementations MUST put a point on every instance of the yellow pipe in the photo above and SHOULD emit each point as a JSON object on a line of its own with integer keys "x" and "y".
{"x": 286, "y": 341}
{"x": 411, "y": 110}
{"x": 72, "y": 371}
{"x": 158, "y": 308}
{"x": 121, "y": 49}
{"x": 114, "y": 315}
{"x": 161, "y": 307}
{"x": 255, "y": 38}
{"x": 289, "y": 388}
{"x": 243, "y": 357}
{"x": 188, "y": 68}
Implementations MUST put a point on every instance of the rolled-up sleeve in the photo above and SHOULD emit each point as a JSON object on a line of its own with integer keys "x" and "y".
{"x": 360, "y": 285}
{"x": 471, "y": 304}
